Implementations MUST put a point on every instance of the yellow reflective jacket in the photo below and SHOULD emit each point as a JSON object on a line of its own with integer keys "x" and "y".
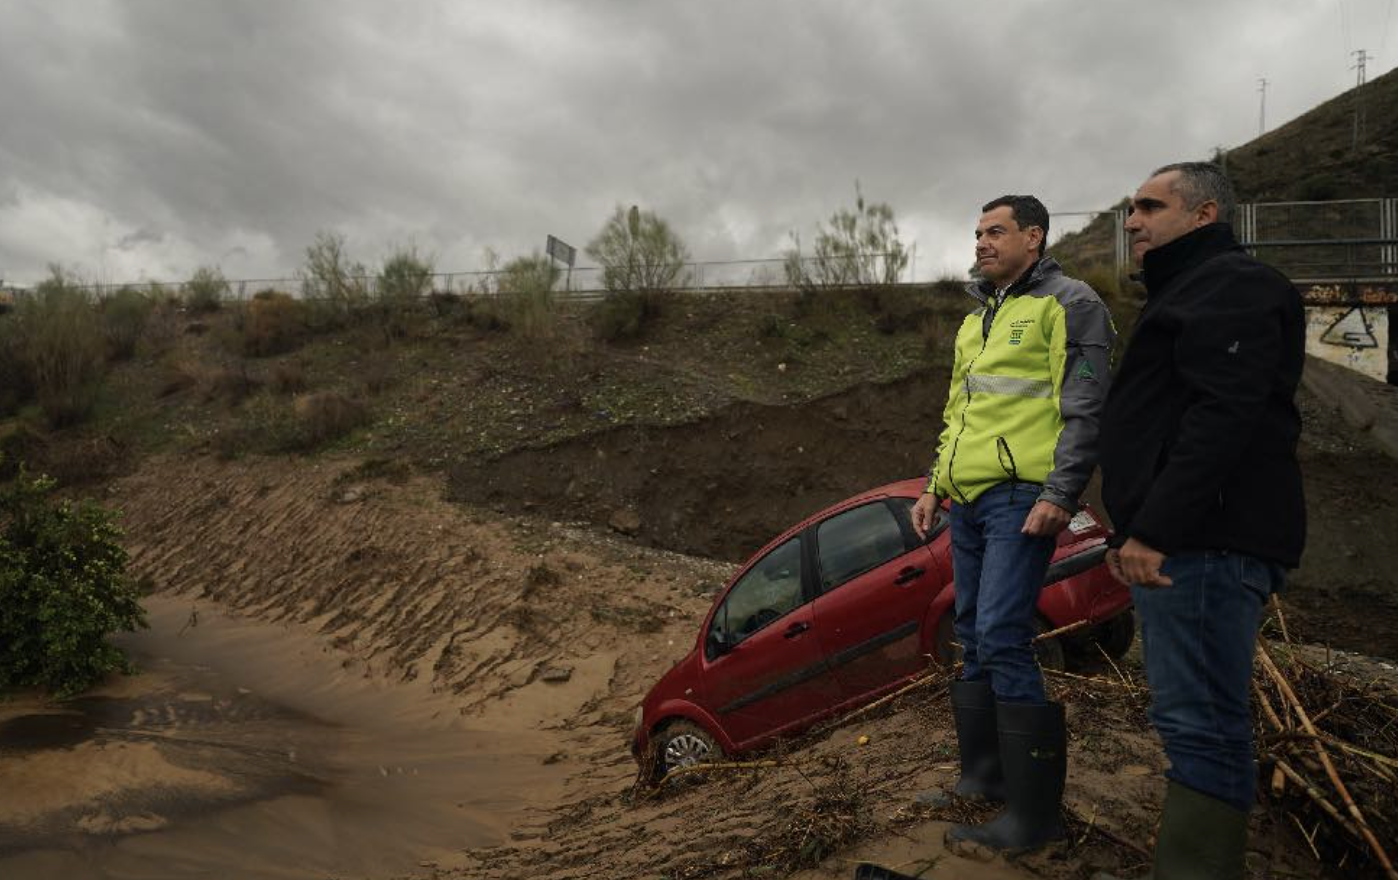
{"x": 1030, "y": 374}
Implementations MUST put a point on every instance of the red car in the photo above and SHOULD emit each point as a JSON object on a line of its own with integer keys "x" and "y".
{"x": 839, "y": 609}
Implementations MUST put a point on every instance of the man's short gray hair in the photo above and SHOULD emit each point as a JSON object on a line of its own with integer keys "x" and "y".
{"x": 1201, "y": 182}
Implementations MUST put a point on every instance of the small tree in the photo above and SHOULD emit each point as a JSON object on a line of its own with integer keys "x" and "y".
{"x": 124, "y": 318}
{"x": 861, "y": 248}
{"x": 526, "y": 291}
{"x": 404, "y": 282}
{"x": 206, "y": 291}
{"x": 63, "y": 347}
{"x": 63, "y": 590}
{"x": 335, "y": 283}
{"x": 639, "y": 253}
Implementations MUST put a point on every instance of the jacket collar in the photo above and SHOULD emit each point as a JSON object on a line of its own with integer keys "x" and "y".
{"x": 1043, "y": 268}
{"x": 1161, "y": 265}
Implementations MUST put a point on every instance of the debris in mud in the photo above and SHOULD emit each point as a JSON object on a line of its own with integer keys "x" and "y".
{"x": 556, "y": 674}
{"x": 1328, "y": 746}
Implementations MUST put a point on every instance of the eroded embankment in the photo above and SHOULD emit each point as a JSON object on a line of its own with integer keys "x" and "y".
{"x": 722, "y": 486}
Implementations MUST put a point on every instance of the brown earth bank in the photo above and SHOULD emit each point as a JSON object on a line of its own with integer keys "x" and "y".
{"x": 543, "y": 624}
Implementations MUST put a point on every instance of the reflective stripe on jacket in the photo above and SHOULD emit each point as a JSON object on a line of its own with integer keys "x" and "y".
{"x": 1030, "y": 374}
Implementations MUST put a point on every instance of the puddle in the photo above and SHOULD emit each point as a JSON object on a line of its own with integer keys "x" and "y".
{"x": 249, "y": 750}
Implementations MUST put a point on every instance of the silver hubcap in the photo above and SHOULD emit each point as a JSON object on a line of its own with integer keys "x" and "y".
{"x": 685, "y": 750}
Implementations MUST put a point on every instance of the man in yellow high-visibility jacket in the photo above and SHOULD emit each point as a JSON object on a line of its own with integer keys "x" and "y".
{"x": 1031, "y": 372}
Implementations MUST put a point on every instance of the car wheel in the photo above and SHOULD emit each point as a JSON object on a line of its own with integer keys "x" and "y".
{"x": 948, "y": 653}
{"x": 684, "y": 744}
{"x": 1116, "y": 635}
{"x": 1049, "y": 652}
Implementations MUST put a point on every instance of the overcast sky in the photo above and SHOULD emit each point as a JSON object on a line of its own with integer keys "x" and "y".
{"x": 141, "y": 139}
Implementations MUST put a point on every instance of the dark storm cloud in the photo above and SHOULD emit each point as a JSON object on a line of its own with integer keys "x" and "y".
{"x": 145, "y": 138}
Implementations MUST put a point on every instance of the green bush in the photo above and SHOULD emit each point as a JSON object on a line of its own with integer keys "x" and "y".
{"x": 63, "y": 589}
{"x": 526, "y": 295}
{"x": 336, "y": 286}
{"x": 623, "y": 315}
{"x": 323, "y": 416}
{"x": 18, "y": 386}
{"x": 404, "y": 283}
{"x": 124, "y": 318}
{"x": 639, "y": 253}
{"x": 273, "y": 323}
{"x": 206, "y": 291}
{"x": 63, "y": 348}
{"x": 861, "y": 247}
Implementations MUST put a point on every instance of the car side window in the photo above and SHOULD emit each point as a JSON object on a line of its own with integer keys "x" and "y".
{"x": 857, "y": 541}
{"x": 769, "y": 590}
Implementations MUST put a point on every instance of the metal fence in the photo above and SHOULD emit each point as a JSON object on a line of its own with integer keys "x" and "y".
{"x": 1313, "y": 241}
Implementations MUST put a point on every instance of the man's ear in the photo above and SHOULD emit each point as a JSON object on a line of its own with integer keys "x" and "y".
{"x": 1036, "y": 237}
{"x": 1206, "y": 213}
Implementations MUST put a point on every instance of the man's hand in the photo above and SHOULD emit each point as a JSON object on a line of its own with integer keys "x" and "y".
{"x": 1114, "y": 566}
{"x": 924, "y": 513}
{"x": 1045, "y": 519}
{"x": 1140, "y": 565}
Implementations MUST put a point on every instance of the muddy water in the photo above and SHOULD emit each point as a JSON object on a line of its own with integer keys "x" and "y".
{"x": 251, "y": 750}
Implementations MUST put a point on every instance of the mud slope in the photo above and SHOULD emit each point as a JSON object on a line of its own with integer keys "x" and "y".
{"x": 725, "y": 485}
{"x": 411, "y": 586}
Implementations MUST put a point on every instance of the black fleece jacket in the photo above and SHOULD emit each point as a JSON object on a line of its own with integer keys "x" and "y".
{"x": 1198, "y": 434}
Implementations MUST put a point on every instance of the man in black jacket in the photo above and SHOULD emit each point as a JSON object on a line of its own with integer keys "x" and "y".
{"x": 1199, "y": 475}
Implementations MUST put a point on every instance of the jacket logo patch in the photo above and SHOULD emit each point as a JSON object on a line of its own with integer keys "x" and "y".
{"x": 1085, "y": 372}
{"x": 1233, "y": 349}
{"x": 1017, "y": 329}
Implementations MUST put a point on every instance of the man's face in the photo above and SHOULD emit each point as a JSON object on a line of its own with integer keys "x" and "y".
{"x": 1003, "y": 249}
{"x": 1158, "y": 215}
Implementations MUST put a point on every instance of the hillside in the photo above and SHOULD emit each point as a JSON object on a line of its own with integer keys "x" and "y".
{"x": 1313, "y": 157}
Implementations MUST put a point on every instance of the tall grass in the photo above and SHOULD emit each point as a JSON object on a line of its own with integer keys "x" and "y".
{"x": 62, "y": 347}
{"x": 124, "y": 318}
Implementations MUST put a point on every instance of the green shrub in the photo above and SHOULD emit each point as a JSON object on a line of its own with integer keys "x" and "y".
{"x": 404, "y": 283}
{"x": 639, "y": 253}
{"x": 526, "y": 295}
{"x": 63, "y": 348}
{"x": 18, "y": 386}
{"x": 623, "y": 315}
{"x": 323, "y": 416}
{"x": 336, "y": 286}
{"x": 273, "y": 323}
{"x": 206, "y": 291}
{"x": 63, "y": 589}
{"x": 125, "y": 315}
{"x": 861, "y": 247}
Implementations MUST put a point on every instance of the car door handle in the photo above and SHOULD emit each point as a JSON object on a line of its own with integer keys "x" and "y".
{"x": 908, "y": 575}
{"x": 796, "y": 629}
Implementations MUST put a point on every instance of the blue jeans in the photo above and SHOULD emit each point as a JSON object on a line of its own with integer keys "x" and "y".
{"x": 1199, "y": 636}
{"x": 999, "y": 572}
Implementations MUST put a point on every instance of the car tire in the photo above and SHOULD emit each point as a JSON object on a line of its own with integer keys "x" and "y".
{"x": 1048, "y": 652}
{"x": 1116, "y": 635}
{"x": 684, "y": 744}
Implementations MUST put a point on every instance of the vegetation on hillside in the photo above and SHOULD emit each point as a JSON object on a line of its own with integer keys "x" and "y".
{"x": 63, "y": 590}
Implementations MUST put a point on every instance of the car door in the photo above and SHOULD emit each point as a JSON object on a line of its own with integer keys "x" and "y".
{"x": 875, "y": 582}
{"x": 763, "y": 669}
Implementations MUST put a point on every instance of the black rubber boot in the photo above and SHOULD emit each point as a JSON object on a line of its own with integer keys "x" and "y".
{"x": 973, "y": 710}
{"x": 1034, "y": 759}
{"x": 1200, "y": 838}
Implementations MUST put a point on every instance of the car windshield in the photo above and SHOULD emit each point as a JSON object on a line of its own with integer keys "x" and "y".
{"x": 769, "y": 590}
